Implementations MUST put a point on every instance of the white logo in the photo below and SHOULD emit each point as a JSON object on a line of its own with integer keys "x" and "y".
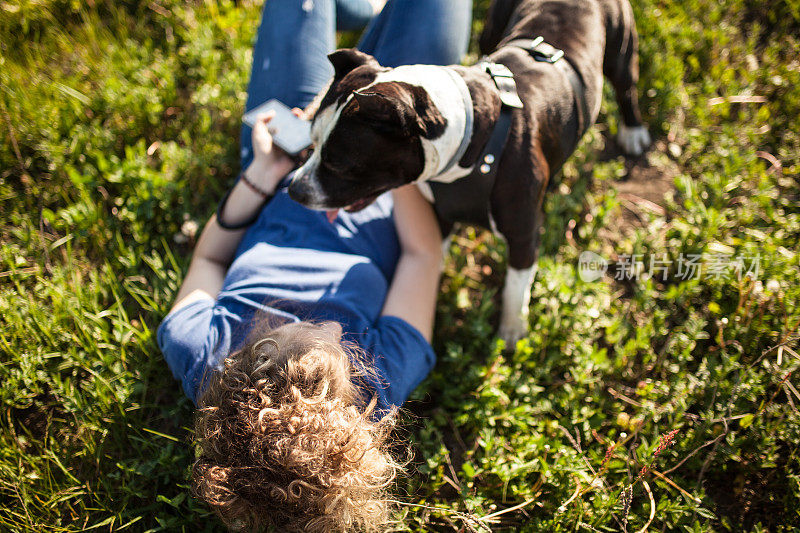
{"x": 591, "y": 266}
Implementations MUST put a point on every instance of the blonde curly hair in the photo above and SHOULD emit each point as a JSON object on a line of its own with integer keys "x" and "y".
{"x": 287, "y": 439}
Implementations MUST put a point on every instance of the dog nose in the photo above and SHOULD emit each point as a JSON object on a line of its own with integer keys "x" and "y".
{"x": 298, "y": 191}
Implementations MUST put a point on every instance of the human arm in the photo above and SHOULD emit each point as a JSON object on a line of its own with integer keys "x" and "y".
{"x": 412, "y": 293}
{"x": 216, "y": 246}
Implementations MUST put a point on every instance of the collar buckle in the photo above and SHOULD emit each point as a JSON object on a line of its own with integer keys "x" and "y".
{"x": 503, "y": 79}
{"x": 539, "y": 50}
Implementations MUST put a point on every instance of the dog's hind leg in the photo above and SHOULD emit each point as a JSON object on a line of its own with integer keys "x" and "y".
{"x": 621, "y": 67}
{"x": 447, "y": 240}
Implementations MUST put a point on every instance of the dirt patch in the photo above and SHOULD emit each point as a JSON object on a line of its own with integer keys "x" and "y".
{"x": 34, "y": 419}
{"x": 648, "y": 183}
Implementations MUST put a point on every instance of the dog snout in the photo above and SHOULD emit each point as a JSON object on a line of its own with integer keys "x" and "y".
{"x": 299, "y": 191}
{"x": 304, "y": 190}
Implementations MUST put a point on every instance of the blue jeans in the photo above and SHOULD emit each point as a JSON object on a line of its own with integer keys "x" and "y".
{"x": 290, "y": 60}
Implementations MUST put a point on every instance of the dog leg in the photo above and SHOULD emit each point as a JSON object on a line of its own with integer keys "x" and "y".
{"x": 621, "y": 67}
{"x": 447, "y": 240}
{"x": 633, "y": 140}
{"x": 522, "y": 238}
{"x": 522, "y": 265}
{"x": 516, "y": 304}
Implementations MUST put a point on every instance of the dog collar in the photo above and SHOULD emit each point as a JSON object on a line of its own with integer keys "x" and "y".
{"x": 467, "y": 199}
{"x": 469, "y": 115}
{"x": 503, "y": 79}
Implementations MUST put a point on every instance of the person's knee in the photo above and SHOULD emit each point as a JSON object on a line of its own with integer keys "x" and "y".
{"x": 433, "y": 32}
{"x": 353, "y": 15}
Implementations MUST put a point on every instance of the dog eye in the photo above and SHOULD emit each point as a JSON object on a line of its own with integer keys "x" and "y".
{"x": 331, "y": 167}
{"x": 341, "y": 173}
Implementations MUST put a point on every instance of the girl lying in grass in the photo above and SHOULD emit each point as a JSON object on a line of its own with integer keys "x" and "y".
{"x": 298, "y": 337}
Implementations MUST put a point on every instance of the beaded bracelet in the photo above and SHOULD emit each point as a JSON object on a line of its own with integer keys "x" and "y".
{"x": 264, "y": 194}
{"x": 246, "y": 223}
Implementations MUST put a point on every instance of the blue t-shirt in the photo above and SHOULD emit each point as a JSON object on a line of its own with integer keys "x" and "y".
{"x": 294, "y": 264}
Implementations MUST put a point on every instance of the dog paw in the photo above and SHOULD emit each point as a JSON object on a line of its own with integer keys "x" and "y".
{"x": 633, "y": 140}
{"x": 513, "y": 330}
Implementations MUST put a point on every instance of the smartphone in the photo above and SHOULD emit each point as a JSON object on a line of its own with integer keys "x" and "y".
{"x": 290, "y": 133}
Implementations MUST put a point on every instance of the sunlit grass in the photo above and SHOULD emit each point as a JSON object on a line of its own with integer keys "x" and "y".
{"x": 120, "y": 121}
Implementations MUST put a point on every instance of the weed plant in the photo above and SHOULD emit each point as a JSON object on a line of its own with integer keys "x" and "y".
{"x": 658, "y": 402}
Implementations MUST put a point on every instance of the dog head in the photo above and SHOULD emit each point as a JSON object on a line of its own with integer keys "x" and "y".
{"x": 376, "y": 129}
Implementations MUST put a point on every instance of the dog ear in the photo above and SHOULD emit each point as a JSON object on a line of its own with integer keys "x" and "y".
{"x": 429, "y": 120}
{"x": 401, "y": 106}
{"x": 381, "y": 110}
{"x": 347, "y": 59}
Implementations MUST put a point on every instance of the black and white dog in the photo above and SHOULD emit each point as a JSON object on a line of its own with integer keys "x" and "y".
{"x": 378, "y": 128}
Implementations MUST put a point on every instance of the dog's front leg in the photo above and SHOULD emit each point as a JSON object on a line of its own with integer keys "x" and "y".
{"x": 522, "y": 264}
{"x": 516, "y": 304}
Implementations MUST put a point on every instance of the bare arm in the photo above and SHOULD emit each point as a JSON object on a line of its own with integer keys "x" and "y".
{"x": 412, "y": 294}
{"x": 216, "y": 246}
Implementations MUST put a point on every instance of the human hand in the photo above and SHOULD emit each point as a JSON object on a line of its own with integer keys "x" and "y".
{"x": 270, "y": 163}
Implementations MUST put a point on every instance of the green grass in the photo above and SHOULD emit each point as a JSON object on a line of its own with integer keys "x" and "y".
{"x": 119, "y": 122}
